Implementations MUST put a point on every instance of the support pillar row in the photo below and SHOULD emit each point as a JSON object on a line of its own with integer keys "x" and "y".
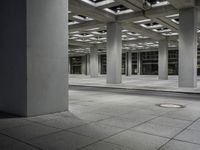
{"x": 163, "y": 60}
{"x": 114, "y": 53}
{"x": 188, "y": 48}
{"x": 94, "y": 62}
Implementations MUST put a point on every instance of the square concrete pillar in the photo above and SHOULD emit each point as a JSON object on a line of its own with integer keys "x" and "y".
{"x": 88, "y": 64}
{"x": 163, "y": 60}
{"x": 188, "y": 48}
{"x": 129, "y": 63}
{"x": 84, "y": 65}
{"x": 138, "y": 64}
{"x": 94, "y": 62}
{"x": 34, "y": 57}
{"x": 114, "y": 53}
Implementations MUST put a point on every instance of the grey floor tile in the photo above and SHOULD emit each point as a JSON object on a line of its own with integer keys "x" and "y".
{"x": 64, "y": 122}
{"x": 195, "y": 126}
{"x": 6, "y": 123}
{"x": 62, "y": 141}
{"x": 29, "y": 131}
{"x": 179, "y": 145}
{"x": 105, "y": 146}
{"x": 91, "y": 116}
{"x": 157, "y": 129}
{"x": 171, "y": 122}
{"x": 134, "y": 116}
{"x": 189, "y": 135}
{"x": 138, "y": 141}
{"x": 42, "y": 118}
{"x": 96, "y": 130}
{"x": 189, "y": 115}
{"x": 120, "y": 122}
{"x": 7, "y": 143}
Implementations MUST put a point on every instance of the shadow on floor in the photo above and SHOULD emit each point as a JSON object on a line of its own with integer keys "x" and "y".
{"x": 4, "y": 115}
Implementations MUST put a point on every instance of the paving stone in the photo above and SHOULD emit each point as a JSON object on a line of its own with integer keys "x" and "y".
{"x": 96, "y": 130}
{"x": 29, "y": 131}
{"x": 105, "y": 146}
{"x": 189, "y": 135}
{"x": 137, "y": 141}
{"x": 179, "y": 145}
{"x": 158, "y": 129}
{"x": 62, "y": 141}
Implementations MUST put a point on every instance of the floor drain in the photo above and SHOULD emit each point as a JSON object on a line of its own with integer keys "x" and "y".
{"x": 168, "y": 105}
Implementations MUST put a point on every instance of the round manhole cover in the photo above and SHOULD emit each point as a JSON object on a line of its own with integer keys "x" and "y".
{"x": 169, "y": 105}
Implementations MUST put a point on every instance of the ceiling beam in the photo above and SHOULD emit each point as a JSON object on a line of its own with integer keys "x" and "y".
{"x": 166, "y": 24}
{"x": 85, "y": 26}
{"x": 109, "y": 5}
{"x": 78, "y": 43}
{"x": 128, "y": 4}
{"x": 179, "y": 4}
{"x": 138, "y": 29}
{"x": 85, "y": 9}
{"x": 160, "y": 11}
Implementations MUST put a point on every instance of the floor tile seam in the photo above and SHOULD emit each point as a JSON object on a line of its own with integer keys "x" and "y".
{"x": 102, "y": 140}
{"x": 151, "y": 134}
{"x": 64, "y": 128}
{"x": 186, "y": 141}
{"x": 128, "y": 129}
{"x": 173, "y": 138}
{"x": 22, "y": 141}
{"x": 149, "y": 122}
{"x": 15, "y": 127}
{"x": 45, "y": 125}
{"x": 177, "y": 118}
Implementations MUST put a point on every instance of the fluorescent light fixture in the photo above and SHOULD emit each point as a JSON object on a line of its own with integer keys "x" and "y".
{"x": 161, "y": 4}
{"x": 118, "y": 12}
{"x": 142, "y": 21}
{"x": 124, "y": 30}
{"x": 80, "y": 35}
{"x": 134, "y": 34}
{"x": 151, "y": 27}
{"x": 162, "y": 31}
{"x": 73, "y": 22}
{"x": 143, "y": 37}
{"x": 174, "y": 20}
{"x": 83, "y": 18}
{"x": 99, "y": 3}
{"x": 93, "y": 29}
{"x": 74, "y": 32}
{"x": 170, "y": 34}
{"x": 171, "y": 16}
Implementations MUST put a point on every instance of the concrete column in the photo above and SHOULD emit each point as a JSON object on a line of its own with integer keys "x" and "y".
{"x": 188, "y": 48}
{"x": 88, "y": 64}
{"x": 34, "y": 57}
{"x": 99, "y": 64}
{"x": 139, "y": 67}
{"x": 84, "y": 65}
{"x": 129, "y": 63}
{"x": 163, "y": 60}
{"x": 114, "y": 53}
{"x": 93, "y": 62}
{"x": 69, "y": 65}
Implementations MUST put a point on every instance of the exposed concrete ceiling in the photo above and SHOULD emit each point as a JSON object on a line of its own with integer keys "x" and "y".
{"x": 88, "y": 22}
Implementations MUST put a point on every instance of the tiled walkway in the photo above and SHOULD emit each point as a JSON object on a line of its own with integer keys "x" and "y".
{"x": 142, "y": 82}
{"x": 107, "y": 121}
